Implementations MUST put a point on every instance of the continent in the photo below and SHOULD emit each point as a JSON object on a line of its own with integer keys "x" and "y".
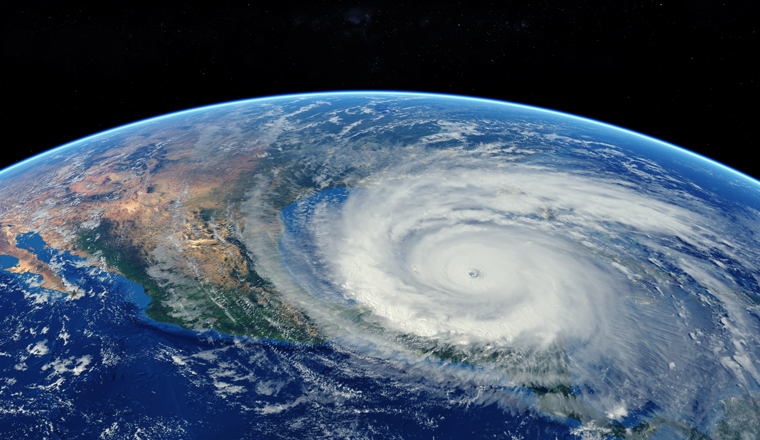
{"x": 600, "y": 278}
{"x": 160, "y": 208}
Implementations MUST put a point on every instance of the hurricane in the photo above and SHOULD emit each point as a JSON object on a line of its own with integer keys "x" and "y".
{"x": 374, "y": 265}
{"x": 512, "y": 257}
{"x": 571, "y": 270}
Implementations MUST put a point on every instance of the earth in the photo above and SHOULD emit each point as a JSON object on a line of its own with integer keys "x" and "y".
{"x": 378, "y": 265}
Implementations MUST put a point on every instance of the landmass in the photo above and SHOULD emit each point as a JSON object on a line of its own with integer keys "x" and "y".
{"x": 161, "y": 204}
{"x": 163, "y": 213}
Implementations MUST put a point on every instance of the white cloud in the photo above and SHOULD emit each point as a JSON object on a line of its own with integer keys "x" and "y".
{"x": 489, "y": 257}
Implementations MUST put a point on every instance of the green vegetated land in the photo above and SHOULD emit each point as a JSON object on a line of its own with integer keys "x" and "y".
{"x": 258, "y": 311}
{"x": 266, "y": 321}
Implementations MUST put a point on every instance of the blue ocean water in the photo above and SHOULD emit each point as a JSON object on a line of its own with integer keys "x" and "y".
{"x": 297, "y": 242}
{"x": 94, "y": 366}
{"x": 6, "y": 261}
{"x": 652, "y": 385}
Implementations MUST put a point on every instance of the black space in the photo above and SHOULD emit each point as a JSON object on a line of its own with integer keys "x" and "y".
{"x": 680, "y": 71}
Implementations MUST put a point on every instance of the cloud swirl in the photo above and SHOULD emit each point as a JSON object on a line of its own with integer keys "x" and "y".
{"x": 516, "y": 256}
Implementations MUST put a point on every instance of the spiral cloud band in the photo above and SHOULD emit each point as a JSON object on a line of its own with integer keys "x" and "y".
{"x": 517, "y": 256}
{"x": 613, "y": 276}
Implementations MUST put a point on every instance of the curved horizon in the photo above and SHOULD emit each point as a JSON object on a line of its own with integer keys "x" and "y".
{"x": 713, "y": 162}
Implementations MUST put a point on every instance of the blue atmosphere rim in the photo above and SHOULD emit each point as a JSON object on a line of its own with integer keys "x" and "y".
{"x": 385, "y": 92}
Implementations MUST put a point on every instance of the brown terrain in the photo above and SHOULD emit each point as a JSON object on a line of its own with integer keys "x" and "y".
{"x": 168, "y": 199}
